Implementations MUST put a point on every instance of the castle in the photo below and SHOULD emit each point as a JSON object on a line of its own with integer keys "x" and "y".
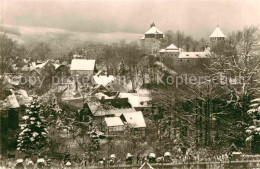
{"x": 174, "y": 56}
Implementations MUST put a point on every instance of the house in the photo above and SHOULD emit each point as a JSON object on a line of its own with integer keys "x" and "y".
{"x": 45, "y": 69}
{"x": 138, "y": 102}
{"x": 83, "y": 67}
{"x": 113, "y": 125}
{"x": 62, "y": 70}
{"x": 117, "y": 120}
{"x": 135, "y": 120}
{"x": 180, "y": 61}
{"x": 10, "y": 114}
{"x": 193, "y": 59}
{"x": 112, "y": 99}
{"x": 98, "y": 110}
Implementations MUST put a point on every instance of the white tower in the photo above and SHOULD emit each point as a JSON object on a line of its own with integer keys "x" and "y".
{"x": 217, "y": 35}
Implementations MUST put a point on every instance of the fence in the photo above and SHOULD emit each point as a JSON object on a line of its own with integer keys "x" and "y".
{"x": 246, "y": 164}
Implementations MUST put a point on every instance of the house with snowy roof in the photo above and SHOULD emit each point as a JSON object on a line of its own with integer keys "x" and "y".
{"x": 83, "y": 67}
{"x": 120, "y": 119}
{"x": 177, "y": 59}
{"x": 113, "y": 125}
{"x": 137, "y": 101}
{"x": 150, "y": 41}
{"x": 46, "y": 68}
{"x": 135, "y": 120}
{"x": 170, "y": 51}
{"x": 11, "y": 110}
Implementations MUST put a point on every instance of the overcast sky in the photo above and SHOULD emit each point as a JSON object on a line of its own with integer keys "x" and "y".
{"x": 197, "y": 18}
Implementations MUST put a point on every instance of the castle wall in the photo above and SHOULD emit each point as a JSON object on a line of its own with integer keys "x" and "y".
{"x": 150, "y": 45}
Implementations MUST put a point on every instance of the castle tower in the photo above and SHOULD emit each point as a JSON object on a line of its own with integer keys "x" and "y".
{"x": 217, "y": 36}
{"x": 150, "y": 42}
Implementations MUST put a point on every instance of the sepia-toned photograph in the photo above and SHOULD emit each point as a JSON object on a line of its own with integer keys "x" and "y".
{"x": 130, "y": 84}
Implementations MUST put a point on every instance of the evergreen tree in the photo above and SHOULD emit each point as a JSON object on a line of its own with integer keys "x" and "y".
{"x": 33, "y": 137}
{"x": 254, "y": 129}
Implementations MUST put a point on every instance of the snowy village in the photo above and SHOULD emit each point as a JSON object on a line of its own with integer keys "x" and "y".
{"x": 157, "y": 98}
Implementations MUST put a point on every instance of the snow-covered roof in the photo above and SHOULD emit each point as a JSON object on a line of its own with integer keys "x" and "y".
{"x": 96, "y": 109}
{"x": 135, "y": 119}
{"x": 194, "y": 55}
{"x": 113, "y": 121}
{"x": 103, "y": 80}
{"x": 12, "y": 101}
{"x": 82, "y": 64}
{"x": 162, "y": 50}
{"x": 153, "y": 30}
{"x": 119, "y": 112}
{"x": 217, "y": 33}
{"x": 171, "y": 47}
{"x": 41, "y": 65}
{"x": 135, "y": 99}
{"x": 56, "y": 65}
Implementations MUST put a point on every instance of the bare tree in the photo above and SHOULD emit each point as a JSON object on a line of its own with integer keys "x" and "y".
{"x": 7, "y": 53}
{"x": 41, "y": 51}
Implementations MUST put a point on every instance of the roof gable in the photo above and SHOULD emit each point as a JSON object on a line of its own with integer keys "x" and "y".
{"x": 153, "y": 30}
{"x": 217, "y": 33}
{"x": 135, "y": 119}
{"x": 171, "y": 47}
